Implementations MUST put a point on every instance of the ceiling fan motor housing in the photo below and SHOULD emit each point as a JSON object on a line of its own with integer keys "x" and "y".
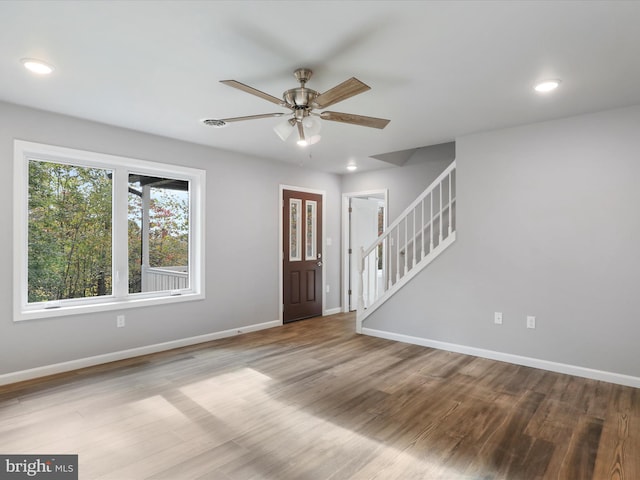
{"x": 300, "y": 98}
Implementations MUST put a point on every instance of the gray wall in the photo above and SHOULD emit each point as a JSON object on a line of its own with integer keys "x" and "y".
{"x": 241, "y": 244}
{"x": 548, "y": 225}
{"x": 407, "y": 182}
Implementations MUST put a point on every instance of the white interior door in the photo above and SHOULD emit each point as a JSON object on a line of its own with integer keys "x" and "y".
{"x": 363, "y": 232}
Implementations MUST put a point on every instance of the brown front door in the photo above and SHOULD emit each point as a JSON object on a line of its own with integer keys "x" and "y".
{"x": 302, "y": 269}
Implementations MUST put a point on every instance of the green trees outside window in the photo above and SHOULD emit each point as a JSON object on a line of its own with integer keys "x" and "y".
{"x": 70, "y": 238}
{"x": 70, "y": 232}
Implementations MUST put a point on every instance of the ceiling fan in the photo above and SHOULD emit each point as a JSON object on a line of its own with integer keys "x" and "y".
{"x": 302, "y": 102}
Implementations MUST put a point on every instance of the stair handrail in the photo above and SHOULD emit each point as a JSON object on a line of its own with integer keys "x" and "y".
{"x": 410, "y": 208}
{"x": 386, "y": 270}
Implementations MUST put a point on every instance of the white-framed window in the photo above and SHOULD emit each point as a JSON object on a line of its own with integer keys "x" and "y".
{"x": 96, "y": 232}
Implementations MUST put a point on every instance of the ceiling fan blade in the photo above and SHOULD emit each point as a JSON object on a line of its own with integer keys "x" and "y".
{"x": 345, "y": 90}
{"x": 256, "y": 92}
{"x": 253, "y": 117}
{"x": 372, "y": 122}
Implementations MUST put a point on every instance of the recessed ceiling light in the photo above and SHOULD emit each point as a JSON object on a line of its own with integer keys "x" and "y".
{"x": 547, "y": 86}
{"x": 37, "y": 66}
{"x": 352, "y": 168}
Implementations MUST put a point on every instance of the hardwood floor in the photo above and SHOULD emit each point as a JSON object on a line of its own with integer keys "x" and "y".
{"x": 312, "y": 400}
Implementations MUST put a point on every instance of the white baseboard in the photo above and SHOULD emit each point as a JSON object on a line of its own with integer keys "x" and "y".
{"x": 332, "y": 311}
{"x": 44, "y": 371}
{"x": 577, "y": 371}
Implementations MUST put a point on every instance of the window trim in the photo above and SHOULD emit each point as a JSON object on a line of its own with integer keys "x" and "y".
{"x": 120, "y": 297}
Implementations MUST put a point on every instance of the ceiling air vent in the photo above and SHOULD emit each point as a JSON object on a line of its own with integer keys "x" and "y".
{"x": 212, "y": 122}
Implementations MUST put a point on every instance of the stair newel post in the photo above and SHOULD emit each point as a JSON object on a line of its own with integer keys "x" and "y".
{"x": 361, "y": 305}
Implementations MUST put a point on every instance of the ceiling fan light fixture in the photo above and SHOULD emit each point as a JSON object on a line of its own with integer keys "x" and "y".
{"x": 309, "y": 141}
{"x": 312, "y": 125}
{"x": 283, "y": 130}
{"x": 352, "y": 167}
{"x": 309, "y": 129}
{"x": 313, "y": 139}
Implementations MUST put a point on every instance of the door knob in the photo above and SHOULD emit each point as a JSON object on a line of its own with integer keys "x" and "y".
{"x": 319, "y": 264}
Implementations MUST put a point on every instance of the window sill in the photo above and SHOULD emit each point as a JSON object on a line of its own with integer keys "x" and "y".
{"x": 22, "y": 315}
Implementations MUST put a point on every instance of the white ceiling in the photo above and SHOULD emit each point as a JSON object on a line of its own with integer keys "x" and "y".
{"x": 438, "y": 70}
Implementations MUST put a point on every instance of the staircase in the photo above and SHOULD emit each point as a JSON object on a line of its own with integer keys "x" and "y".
{"x": 421, "y": 233}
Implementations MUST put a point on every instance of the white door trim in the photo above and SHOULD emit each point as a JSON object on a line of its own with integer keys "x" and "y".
{"x": 345, "y": 235}
{"x": 323, "y": 194}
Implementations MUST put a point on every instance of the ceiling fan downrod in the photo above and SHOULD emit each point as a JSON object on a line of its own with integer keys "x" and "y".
{"x": 303, "y": 75}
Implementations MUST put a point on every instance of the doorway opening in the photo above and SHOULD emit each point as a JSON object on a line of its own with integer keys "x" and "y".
{"x": 364, "y": 217}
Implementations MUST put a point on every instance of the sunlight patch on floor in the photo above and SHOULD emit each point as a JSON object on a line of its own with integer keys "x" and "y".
{"x": 238, "y": 401}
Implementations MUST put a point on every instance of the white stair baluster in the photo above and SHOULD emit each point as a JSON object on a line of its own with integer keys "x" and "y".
{"x": 406, "y": 246}
{"x": 376, "y": 259}
{"x": 389, "y": 261}
{"x": 450, "y": 204}
{"x": 398, "y": 254}
{"x": 431, "y": 231}
{"x": 440, "y": 222}
{"x": 414, "y": 238}
{"x": 385, "y": 265}
{"x": 423, "y": 230}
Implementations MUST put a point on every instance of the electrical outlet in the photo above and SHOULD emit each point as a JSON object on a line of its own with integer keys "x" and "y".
{"x": 497, "y": 318}
{"x": 328, "y": 289}
{"x": 531, "y": 322}
{"x": 120, "y": 321}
